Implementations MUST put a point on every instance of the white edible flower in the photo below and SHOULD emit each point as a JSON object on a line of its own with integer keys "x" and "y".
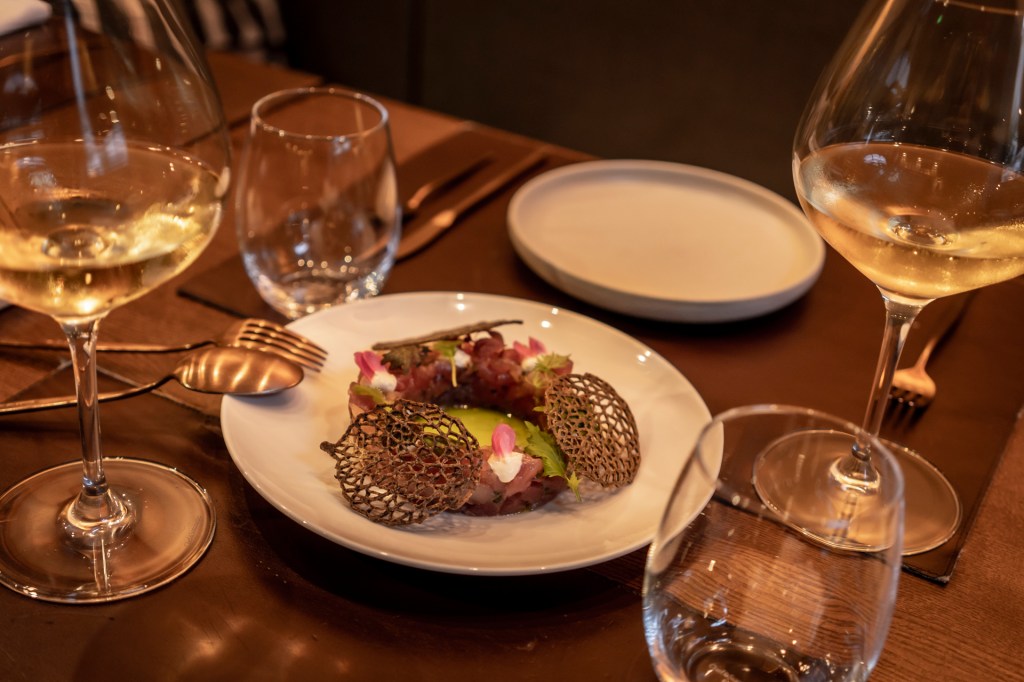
{"x": 384, "y": 381}
{"x": 505, "y": 467}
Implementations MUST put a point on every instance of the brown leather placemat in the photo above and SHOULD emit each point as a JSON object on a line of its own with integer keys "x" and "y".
{"x": 228, "y": 288}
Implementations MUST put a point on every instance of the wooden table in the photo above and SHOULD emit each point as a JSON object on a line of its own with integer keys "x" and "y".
{"x": 274, "y": 601}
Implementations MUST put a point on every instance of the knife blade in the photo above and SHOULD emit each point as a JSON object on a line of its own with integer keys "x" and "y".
{"x": 441, "y": 184}
{"x": 442, "y": 221}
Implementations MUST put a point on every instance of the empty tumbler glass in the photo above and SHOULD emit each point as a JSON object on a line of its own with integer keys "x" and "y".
{"x": 736, "y": 589}
{"x": 316, "y": 202}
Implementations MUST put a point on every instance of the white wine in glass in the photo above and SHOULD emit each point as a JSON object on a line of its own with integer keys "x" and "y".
{"x": 114, "y": 163}
{"x": 908, "y": 162}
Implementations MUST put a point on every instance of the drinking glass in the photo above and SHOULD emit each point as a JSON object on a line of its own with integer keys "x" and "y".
{"x": 737, "y": 590}
{"x": 316, "y": 203}
{"x": 908, "y": 163}
{"x": 114, "y": 166}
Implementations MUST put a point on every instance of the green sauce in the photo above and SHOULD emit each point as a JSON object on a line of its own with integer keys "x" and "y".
{"x": 481, "y": 423}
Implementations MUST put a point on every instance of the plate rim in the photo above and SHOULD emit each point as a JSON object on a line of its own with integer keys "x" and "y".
{"x": 593, "y": 291}
{"x": 450, "y": 298}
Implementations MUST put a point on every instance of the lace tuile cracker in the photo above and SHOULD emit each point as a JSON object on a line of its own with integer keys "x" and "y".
{"x": 594, "y": 428}
{"x": 402, "y": 463}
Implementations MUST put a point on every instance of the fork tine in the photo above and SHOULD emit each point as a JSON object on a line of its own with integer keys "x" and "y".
{"x": 284, "y": 343}
{"x": 281, "y": 333}
{"x": 903, "y": 397}
{"x": 267, "y": 327}
{"x": 313, "y": 364}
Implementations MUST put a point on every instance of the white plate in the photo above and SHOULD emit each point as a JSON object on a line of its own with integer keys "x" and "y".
{"x": 665, "y": 241}
{"x": 275, "y": 441}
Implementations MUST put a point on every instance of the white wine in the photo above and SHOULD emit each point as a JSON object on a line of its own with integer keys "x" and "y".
{"x": 86, "y": 228}
{"x": 919, "y": 222}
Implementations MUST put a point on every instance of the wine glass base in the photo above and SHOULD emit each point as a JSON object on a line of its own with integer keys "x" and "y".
{"x": 174, "y": 526}
{"x": 789, "y": 475}
{"x": 932, "y": 510}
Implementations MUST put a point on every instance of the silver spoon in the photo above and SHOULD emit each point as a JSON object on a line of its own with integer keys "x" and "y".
{"x": 220, "y": 370}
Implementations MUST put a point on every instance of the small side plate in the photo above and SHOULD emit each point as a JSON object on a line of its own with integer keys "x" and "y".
{"x": 665, "y": 241}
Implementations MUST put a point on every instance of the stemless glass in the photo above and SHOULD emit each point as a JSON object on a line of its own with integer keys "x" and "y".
{"x": 316, "y": 203}
{"x": 736, "y": 590}
{"x": 908, "y": 161}
{"x": 114, "y": 165}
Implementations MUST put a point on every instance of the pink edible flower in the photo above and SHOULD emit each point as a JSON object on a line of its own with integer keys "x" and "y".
{"x": 503, "y": 440}
{"x": 369, "y": 364}
{"x": 504, "y": 460}
{"x": 373, "y": 370}
{"x": 533, "y": 350}
{"x": 528, "y": 354}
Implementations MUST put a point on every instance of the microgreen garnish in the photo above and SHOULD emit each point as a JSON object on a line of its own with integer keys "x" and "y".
{"x": 447, "y": 349}
{"x": 546, "y": 369}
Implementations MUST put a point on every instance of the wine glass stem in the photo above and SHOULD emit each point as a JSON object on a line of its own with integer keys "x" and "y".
{"x": 898, "y": 318}
{"x": 856, "y": 472}
{"x": 95, "y": 517}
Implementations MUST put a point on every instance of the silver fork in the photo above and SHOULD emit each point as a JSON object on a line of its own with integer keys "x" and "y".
{"x": 250, "y": 333}
{"x": 912, "y": 386}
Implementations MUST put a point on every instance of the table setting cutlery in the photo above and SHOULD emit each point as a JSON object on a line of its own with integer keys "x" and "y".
{"x": 218, "y": 370}
{"x": 913, "y": 387}
{"x": 415, "y": 240}
{"x": 250, "y": 333}
{"x": 440, "y": 184}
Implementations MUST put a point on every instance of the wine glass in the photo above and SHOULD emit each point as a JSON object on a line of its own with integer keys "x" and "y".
{"x": 908, "y": 163}
{"x": 316, "y": 204}
{"x": 735, "y": 590}
{"x": 114, "y": 165}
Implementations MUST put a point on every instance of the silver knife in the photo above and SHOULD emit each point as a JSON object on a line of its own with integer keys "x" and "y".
{"x": 441, "y": 184}
{"x": 439, "y": 223}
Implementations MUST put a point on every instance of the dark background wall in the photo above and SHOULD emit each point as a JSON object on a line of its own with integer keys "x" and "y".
{"x": 718, "y": 83}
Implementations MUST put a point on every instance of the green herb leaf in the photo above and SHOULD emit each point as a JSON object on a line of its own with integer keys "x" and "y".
{"x": 542, "y": 445}
{"x": 375, "y": 393}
